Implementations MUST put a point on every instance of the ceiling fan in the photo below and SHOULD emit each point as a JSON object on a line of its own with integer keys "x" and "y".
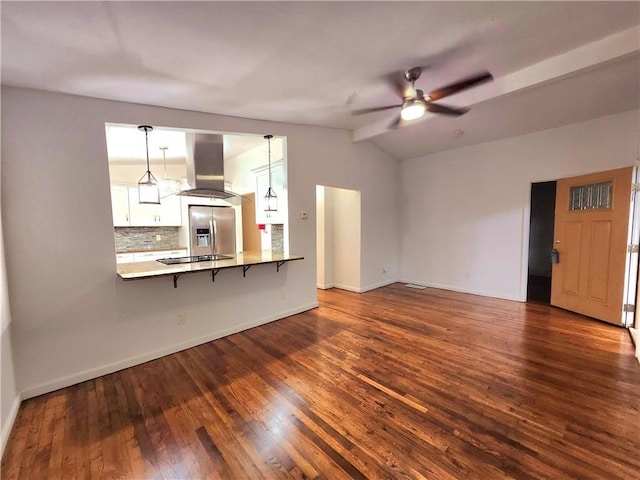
{"x": 415, "y": 103}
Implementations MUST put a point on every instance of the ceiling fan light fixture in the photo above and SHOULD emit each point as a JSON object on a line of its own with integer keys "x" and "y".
{"x": 412, "y": 109}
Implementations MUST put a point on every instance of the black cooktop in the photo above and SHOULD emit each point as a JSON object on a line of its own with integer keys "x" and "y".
{"x": 197, "y": 258}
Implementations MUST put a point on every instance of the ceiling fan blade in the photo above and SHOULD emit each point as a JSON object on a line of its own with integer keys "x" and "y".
{"x": 477, "y": 79}
{"x": 362, "y": 111}
{"x": 396, "y": 121}
{"x": 446, "y": 110}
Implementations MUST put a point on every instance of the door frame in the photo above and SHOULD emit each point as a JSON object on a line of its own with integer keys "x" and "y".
{"x": 632, "y": 267}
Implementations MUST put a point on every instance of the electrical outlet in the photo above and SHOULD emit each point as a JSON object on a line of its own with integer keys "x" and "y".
{"x": 158, "y": 238}
{"x": 181, "y": 319}
{"x": 384, "y": 269}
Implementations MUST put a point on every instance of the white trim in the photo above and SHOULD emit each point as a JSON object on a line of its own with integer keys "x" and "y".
{"x": 360, "y": 289}
{"x": 325, "y": 287}
{"x": 632, "y": 258}
{"x": 348, "y": 288}
{"x": 377, "y": 285}
{"x": 635, "y": 336}
{"x": 8, "y": 426}
{"x": 524, "y": 245}
{"x": 481, "y": 293}
{"x": 133, "y": 361}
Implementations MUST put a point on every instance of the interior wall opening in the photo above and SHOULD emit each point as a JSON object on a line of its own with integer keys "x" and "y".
{"x": 248, "y": 166}
{"x": 543, "y": 204}
{"x": 338, "y": 242}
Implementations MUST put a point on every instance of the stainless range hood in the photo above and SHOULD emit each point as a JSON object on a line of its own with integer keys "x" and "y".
{"x": 205, "y": 168}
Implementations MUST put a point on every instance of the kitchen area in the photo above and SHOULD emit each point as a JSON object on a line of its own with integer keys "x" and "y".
{"x": 185, "y": 201}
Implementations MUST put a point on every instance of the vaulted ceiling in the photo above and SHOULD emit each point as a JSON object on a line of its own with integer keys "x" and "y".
{"x": 312, "y": 63}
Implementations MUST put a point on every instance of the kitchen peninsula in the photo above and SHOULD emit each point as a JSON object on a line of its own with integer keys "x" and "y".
{"x": 246, "y": 260}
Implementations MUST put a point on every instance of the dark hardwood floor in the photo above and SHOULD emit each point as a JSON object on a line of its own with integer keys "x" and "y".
{"x": 395, "y": 383}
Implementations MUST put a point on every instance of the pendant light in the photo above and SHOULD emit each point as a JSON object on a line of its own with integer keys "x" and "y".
{"x": 148, "y": 190}
{"x": 270, "y": 199}
{"x": 168, "y": 186}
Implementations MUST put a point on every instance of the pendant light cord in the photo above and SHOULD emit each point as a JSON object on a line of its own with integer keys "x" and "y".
{"x": 269, "y": 137}
{"x": 164, "y": 160}
{"x": 146, "y": 139}
{"x": 269, "y": 143}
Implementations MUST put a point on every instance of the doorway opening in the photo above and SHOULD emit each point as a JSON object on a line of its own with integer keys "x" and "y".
{"x": 543, "y": 204}
{"x": 338, "y": 231}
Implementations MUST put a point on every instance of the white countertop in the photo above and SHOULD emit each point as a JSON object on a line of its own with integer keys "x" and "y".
{"x": 139, "y": 270}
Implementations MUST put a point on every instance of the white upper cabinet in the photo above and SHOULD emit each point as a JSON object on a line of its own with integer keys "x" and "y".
{"x": 120, "y": 205}
{"x": 170, "y": 211}
{"x": 141, "y": 214}
{"x": 127, "y": 210}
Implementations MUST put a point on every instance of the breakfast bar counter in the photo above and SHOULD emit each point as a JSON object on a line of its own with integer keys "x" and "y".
{"x": 246, "y": 260}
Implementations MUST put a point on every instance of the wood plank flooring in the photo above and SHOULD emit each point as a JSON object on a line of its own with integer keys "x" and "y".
{"x": 392, "y": 384}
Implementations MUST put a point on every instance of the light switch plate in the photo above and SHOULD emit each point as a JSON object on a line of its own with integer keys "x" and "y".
{"x": 304, "y": 215}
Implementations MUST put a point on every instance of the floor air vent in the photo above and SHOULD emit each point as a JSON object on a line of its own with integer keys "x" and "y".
{"x": 417, "y": 287}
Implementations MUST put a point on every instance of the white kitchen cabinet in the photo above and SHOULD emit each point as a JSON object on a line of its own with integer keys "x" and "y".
{"x": 141, "y": 214}
{"x": 167, "y": 214}
{"x": 277, "y": 183}
{"x": 120, "y": 205}
{"x": 170, "y": 211}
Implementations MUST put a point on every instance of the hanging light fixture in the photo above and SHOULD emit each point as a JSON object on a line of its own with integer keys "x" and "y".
{"x": 270, "y": 199}
{"x": 168, "y": 186}
{"x": 148, "y": 190}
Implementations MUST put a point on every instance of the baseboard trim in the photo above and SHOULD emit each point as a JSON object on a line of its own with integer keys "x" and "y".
{"x": 348, "y": 288}
{"x": 137, "y": 360}
{"x": 463, "y": 290}
{"x": 377, "y": 285}
{"x": 8, "y": 426}
{"x": 356, "y": 289}
{"x": 635, "y": 337}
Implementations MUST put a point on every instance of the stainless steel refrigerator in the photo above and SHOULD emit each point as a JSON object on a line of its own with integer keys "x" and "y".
{"x": 212, "y": 230}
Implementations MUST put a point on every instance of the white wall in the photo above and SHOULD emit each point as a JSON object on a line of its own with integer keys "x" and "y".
{"x": 73, "y": 318}
{"x": 9, "y": 397}
{"x": 325, "y": 238}
{"x": 238, "y": 169}
{"x": 131, "y": 174}
{"x": 465, "y": 212}
{"x": 321, "y": 271}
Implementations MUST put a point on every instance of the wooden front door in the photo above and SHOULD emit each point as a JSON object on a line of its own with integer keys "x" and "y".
{"x": 590, "y": 235}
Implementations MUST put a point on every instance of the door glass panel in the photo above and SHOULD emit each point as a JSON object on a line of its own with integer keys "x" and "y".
{"x": 595, "y": 196}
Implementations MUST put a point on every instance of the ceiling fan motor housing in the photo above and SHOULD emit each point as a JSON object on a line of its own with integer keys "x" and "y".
{"x": 413, "y": 74}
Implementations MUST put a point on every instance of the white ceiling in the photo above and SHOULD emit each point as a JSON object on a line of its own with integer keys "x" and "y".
{"x": 302, "y": 62}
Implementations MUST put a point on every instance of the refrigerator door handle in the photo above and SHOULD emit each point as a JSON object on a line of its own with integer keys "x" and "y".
{"x": 214, "y": 230}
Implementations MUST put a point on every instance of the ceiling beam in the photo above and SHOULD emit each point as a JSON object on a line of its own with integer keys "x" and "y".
{"x": 618, "y": 45}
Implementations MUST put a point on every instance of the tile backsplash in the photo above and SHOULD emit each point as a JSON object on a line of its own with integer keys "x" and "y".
{"x": 277, "y": 237}
{"x": 136, "y": 239}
